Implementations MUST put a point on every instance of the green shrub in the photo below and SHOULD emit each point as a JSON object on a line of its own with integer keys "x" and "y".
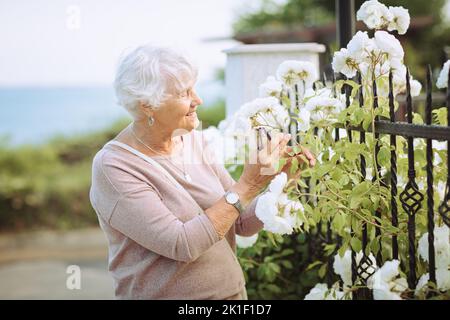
{"x": 212, "y": 115}
{"x": 274, "y": 268}
{"x": 47, "y": 185}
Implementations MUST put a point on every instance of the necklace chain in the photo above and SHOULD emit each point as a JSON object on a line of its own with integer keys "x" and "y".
{"x": 186, "y": 175}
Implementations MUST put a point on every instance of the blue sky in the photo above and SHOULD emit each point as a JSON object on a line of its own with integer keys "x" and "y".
{"x": 54, "y": 42}
{"x": 77, "y": 42}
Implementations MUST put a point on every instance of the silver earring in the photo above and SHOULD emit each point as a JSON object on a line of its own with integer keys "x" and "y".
{"x": 150, "y": 121}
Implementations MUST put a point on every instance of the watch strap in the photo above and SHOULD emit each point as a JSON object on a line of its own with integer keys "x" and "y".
{"x": 237, "y": 205}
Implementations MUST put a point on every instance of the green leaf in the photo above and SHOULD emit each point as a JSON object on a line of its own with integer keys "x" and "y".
{"x": 280, "y": 164}
{"x": 338, "y": 221}
{"x": 358, "y": 116}
{"x": 335, "y": 186}
{"x": 261, "y": 272}
{"x": 273, "y": 288}
{"x": 285, "y": 100}
{"x": 355, "y": 202}
{"x": 270, "y": 236}
{"x": 361, "y": 189}
{"x": 356, "y": 244}
{"x": 322, "y": 270}
{"x": 294, "y": 165}
{"x": 384, "y": 156}
{"x": 329, "y": 249}
{"x": 336, "y": 175}
{"x": 375, "y": 246}
{"x": 440, "y": 116}
{"x": 417, "y": 118}
{"x": 313, "y": 265}
{"x": 375, "y": 200}
{"x": 296, "y": 149}
{"x": 287, "y": 264}
{"x": 322, "y": 170}
{"x": 316, "y": 215}
{"x": 367, "y": 121}
{"x": 342, "y": 249}
{"x": 302, "y": 183}
{"x": 344, "y": 180}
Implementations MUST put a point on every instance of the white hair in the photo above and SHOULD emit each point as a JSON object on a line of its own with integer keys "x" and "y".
{"x": 150, "y": 75}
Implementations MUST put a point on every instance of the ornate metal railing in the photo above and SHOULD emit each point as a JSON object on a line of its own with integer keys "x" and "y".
{"x": 410, "y": 197}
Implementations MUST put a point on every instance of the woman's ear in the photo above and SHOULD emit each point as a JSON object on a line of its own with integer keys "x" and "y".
{"x": 146, "y": 109}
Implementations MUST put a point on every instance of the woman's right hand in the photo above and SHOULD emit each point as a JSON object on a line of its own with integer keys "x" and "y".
{"x": 259, "y": 168}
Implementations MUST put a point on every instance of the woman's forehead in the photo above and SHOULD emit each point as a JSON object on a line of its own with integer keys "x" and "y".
{"x": 182, "y": 83}
{"x": 188, "y": 80}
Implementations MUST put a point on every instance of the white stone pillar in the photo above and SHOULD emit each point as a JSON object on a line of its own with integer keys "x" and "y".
{"x": 249, "y": 65}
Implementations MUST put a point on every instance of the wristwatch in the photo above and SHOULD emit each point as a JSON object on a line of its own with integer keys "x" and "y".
{"x": 233, "y": 199}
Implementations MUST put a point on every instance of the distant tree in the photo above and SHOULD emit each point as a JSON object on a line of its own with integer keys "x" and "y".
{"x": 427, "y": 46}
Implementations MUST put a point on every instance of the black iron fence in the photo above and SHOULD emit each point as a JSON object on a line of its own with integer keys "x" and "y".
{"x": 410, "y": 197}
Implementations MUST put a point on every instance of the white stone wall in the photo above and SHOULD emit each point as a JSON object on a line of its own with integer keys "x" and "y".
{"x": 249, "y": 65}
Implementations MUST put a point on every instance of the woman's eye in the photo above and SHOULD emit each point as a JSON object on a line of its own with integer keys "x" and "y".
{"x": 186, "y": 93}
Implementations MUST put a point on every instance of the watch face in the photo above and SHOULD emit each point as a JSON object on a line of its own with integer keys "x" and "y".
{"x": 232, "y": 197}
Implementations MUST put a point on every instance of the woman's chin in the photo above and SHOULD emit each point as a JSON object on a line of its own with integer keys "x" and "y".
{"x": 191, "y": 124}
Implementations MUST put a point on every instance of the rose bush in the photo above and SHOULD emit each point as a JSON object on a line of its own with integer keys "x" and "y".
{"x": 335, "y": 191}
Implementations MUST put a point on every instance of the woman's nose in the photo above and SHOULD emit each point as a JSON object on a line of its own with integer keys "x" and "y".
{"x": 197, "y": 100}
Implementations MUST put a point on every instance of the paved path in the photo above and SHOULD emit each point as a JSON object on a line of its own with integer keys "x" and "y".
{"x": 34, "y": 265}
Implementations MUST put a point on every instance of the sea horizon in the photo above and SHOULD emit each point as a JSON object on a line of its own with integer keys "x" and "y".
{"x": 35, "y": 114}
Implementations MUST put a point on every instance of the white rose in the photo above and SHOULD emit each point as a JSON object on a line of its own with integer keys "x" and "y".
{"x": 382, "y": 69}
{"x": 321, "y": 292}
{"x": 344, "y": 63}
{"x": 442, "y": 281}
{"x": 374, "y": 14}
{"x": 279, "y": 225}
{"x": 266, "y": 112}
{"x": 385, "y": 284}
{"x": 250, "y": 109}
{"x": 399, "y": 81}
{"x": 278, "y": 183}
{"x": 342, "y": 266}
{"x": 290, "y": 213}
{"x": 438, "y": 145}
{"x": 389, "y": 44}
{"x": 270, "y": 88}
{"x": 398, "y": 68}
{"x": 303, "y": 123}
{"x": 318, "y": 292}
{"x": 323, "y": 92}
{"x": 266, "y": 207}
{"x": 442, "y": 81}
{"x": 292, "y": 72}
{"x": 440, "y": 189}
{"x": 441, "y": 246}
{"x": 246, "y": 242}
{"x": 273, "y": 117}
{"x": 415, "y": 86}
{"x": 400, "y": 20}
{"x": 322, "y": 108}
{"x": 237, "y": 125}
{"x": 357, "y": 45}
{"x": 275, "y": 210}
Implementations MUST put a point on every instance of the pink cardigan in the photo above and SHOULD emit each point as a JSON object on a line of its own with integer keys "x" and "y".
{"x": 160, "y": 245}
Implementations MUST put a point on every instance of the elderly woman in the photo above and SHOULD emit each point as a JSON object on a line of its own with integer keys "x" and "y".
{"x": 169, "y": 211}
